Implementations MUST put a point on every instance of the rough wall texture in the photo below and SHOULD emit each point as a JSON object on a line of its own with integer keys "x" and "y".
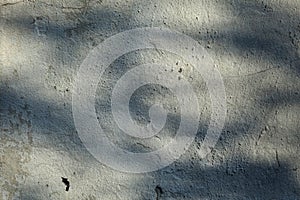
{"x": 256, "y": 46}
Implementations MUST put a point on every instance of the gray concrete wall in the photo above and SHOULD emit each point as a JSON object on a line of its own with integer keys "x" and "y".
{"x": 254, "y": 44}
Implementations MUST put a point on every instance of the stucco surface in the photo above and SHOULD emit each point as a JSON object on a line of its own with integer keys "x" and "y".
{"x": 254, "y": 44}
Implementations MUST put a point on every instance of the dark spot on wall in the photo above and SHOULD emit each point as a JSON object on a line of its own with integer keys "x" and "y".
{"x": 66, "y": 182}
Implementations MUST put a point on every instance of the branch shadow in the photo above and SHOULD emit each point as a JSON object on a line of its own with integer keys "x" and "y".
{"x": 179, "y": 180}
